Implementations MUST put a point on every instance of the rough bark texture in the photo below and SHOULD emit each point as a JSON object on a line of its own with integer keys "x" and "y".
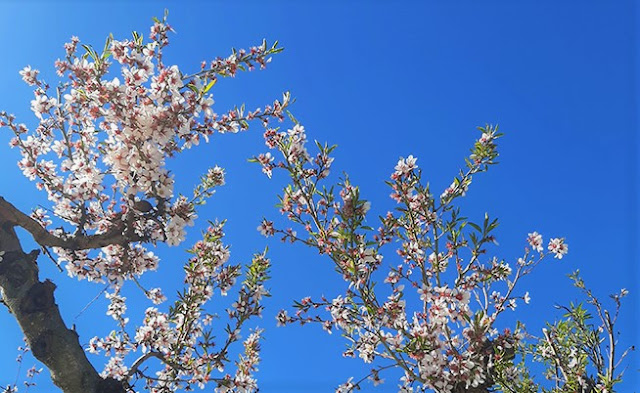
{"x": 32, "y": 303}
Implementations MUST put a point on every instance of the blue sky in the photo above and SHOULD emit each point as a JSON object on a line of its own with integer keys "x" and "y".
{"x": 383, "y": 80}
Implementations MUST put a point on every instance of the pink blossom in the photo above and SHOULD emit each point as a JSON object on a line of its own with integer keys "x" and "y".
{"x": 535, "y": 241}
{"x": 29, "y": 75}
{"x": 558, "y": 247}
{"x": 405, "y": 166}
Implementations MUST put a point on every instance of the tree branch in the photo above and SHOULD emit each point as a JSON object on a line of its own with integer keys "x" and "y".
{"x": 152, "y": 354}
{"x": 33, "y": 305}
{"x": 11, "y": 215}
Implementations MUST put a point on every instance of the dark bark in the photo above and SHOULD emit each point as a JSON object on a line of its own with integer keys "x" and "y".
{"x": 32, "y": 303}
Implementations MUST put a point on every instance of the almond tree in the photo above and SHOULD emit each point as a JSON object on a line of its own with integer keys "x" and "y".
{"x": 99, "y": 152}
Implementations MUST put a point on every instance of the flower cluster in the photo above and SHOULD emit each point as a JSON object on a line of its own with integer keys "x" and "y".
{"x": 100, "y": 149}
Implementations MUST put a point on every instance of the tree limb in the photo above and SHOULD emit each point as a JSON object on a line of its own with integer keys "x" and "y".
{"x": 33, "y": 305}
{"x": 11, "y": 215}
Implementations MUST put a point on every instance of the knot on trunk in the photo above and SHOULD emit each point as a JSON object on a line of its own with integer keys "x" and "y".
{"x": 39, "y": 297}
{"x": 18, "y": 269}
{"x": 110, "y": 385}
{"x": 41, "y": 346}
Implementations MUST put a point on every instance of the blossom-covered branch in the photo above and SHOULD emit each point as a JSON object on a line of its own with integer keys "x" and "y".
{"x": 424, "y": 321}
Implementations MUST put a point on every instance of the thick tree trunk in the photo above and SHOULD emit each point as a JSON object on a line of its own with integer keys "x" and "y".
{"x": 33, "y": 305}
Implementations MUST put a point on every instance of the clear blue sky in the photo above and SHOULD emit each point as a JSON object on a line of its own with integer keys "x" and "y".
{"x": 384, "y": 80}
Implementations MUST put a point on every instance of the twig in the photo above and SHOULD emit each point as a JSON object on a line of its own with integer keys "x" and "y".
{"x": 48, "y": 253}
{"x": 92, "y": 301}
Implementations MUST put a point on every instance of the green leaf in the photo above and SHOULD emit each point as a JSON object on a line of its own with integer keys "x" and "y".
{"x": 209, "y": 86}
{"x": 292, "y": 118}
{"x": 193, "y": 88}
{"x": 475, "y": 226}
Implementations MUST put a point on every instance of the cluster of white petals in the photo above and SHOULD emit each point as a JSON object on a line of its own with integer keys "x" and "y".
{"x": 101, "y": 147}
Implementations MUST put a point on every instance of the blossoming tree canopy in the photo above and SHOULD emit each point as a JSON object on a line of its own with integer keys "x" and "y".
{"x": 99, "y": 151}
{"x": 429, "y": 309}
{"x": 435, "y": 319}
